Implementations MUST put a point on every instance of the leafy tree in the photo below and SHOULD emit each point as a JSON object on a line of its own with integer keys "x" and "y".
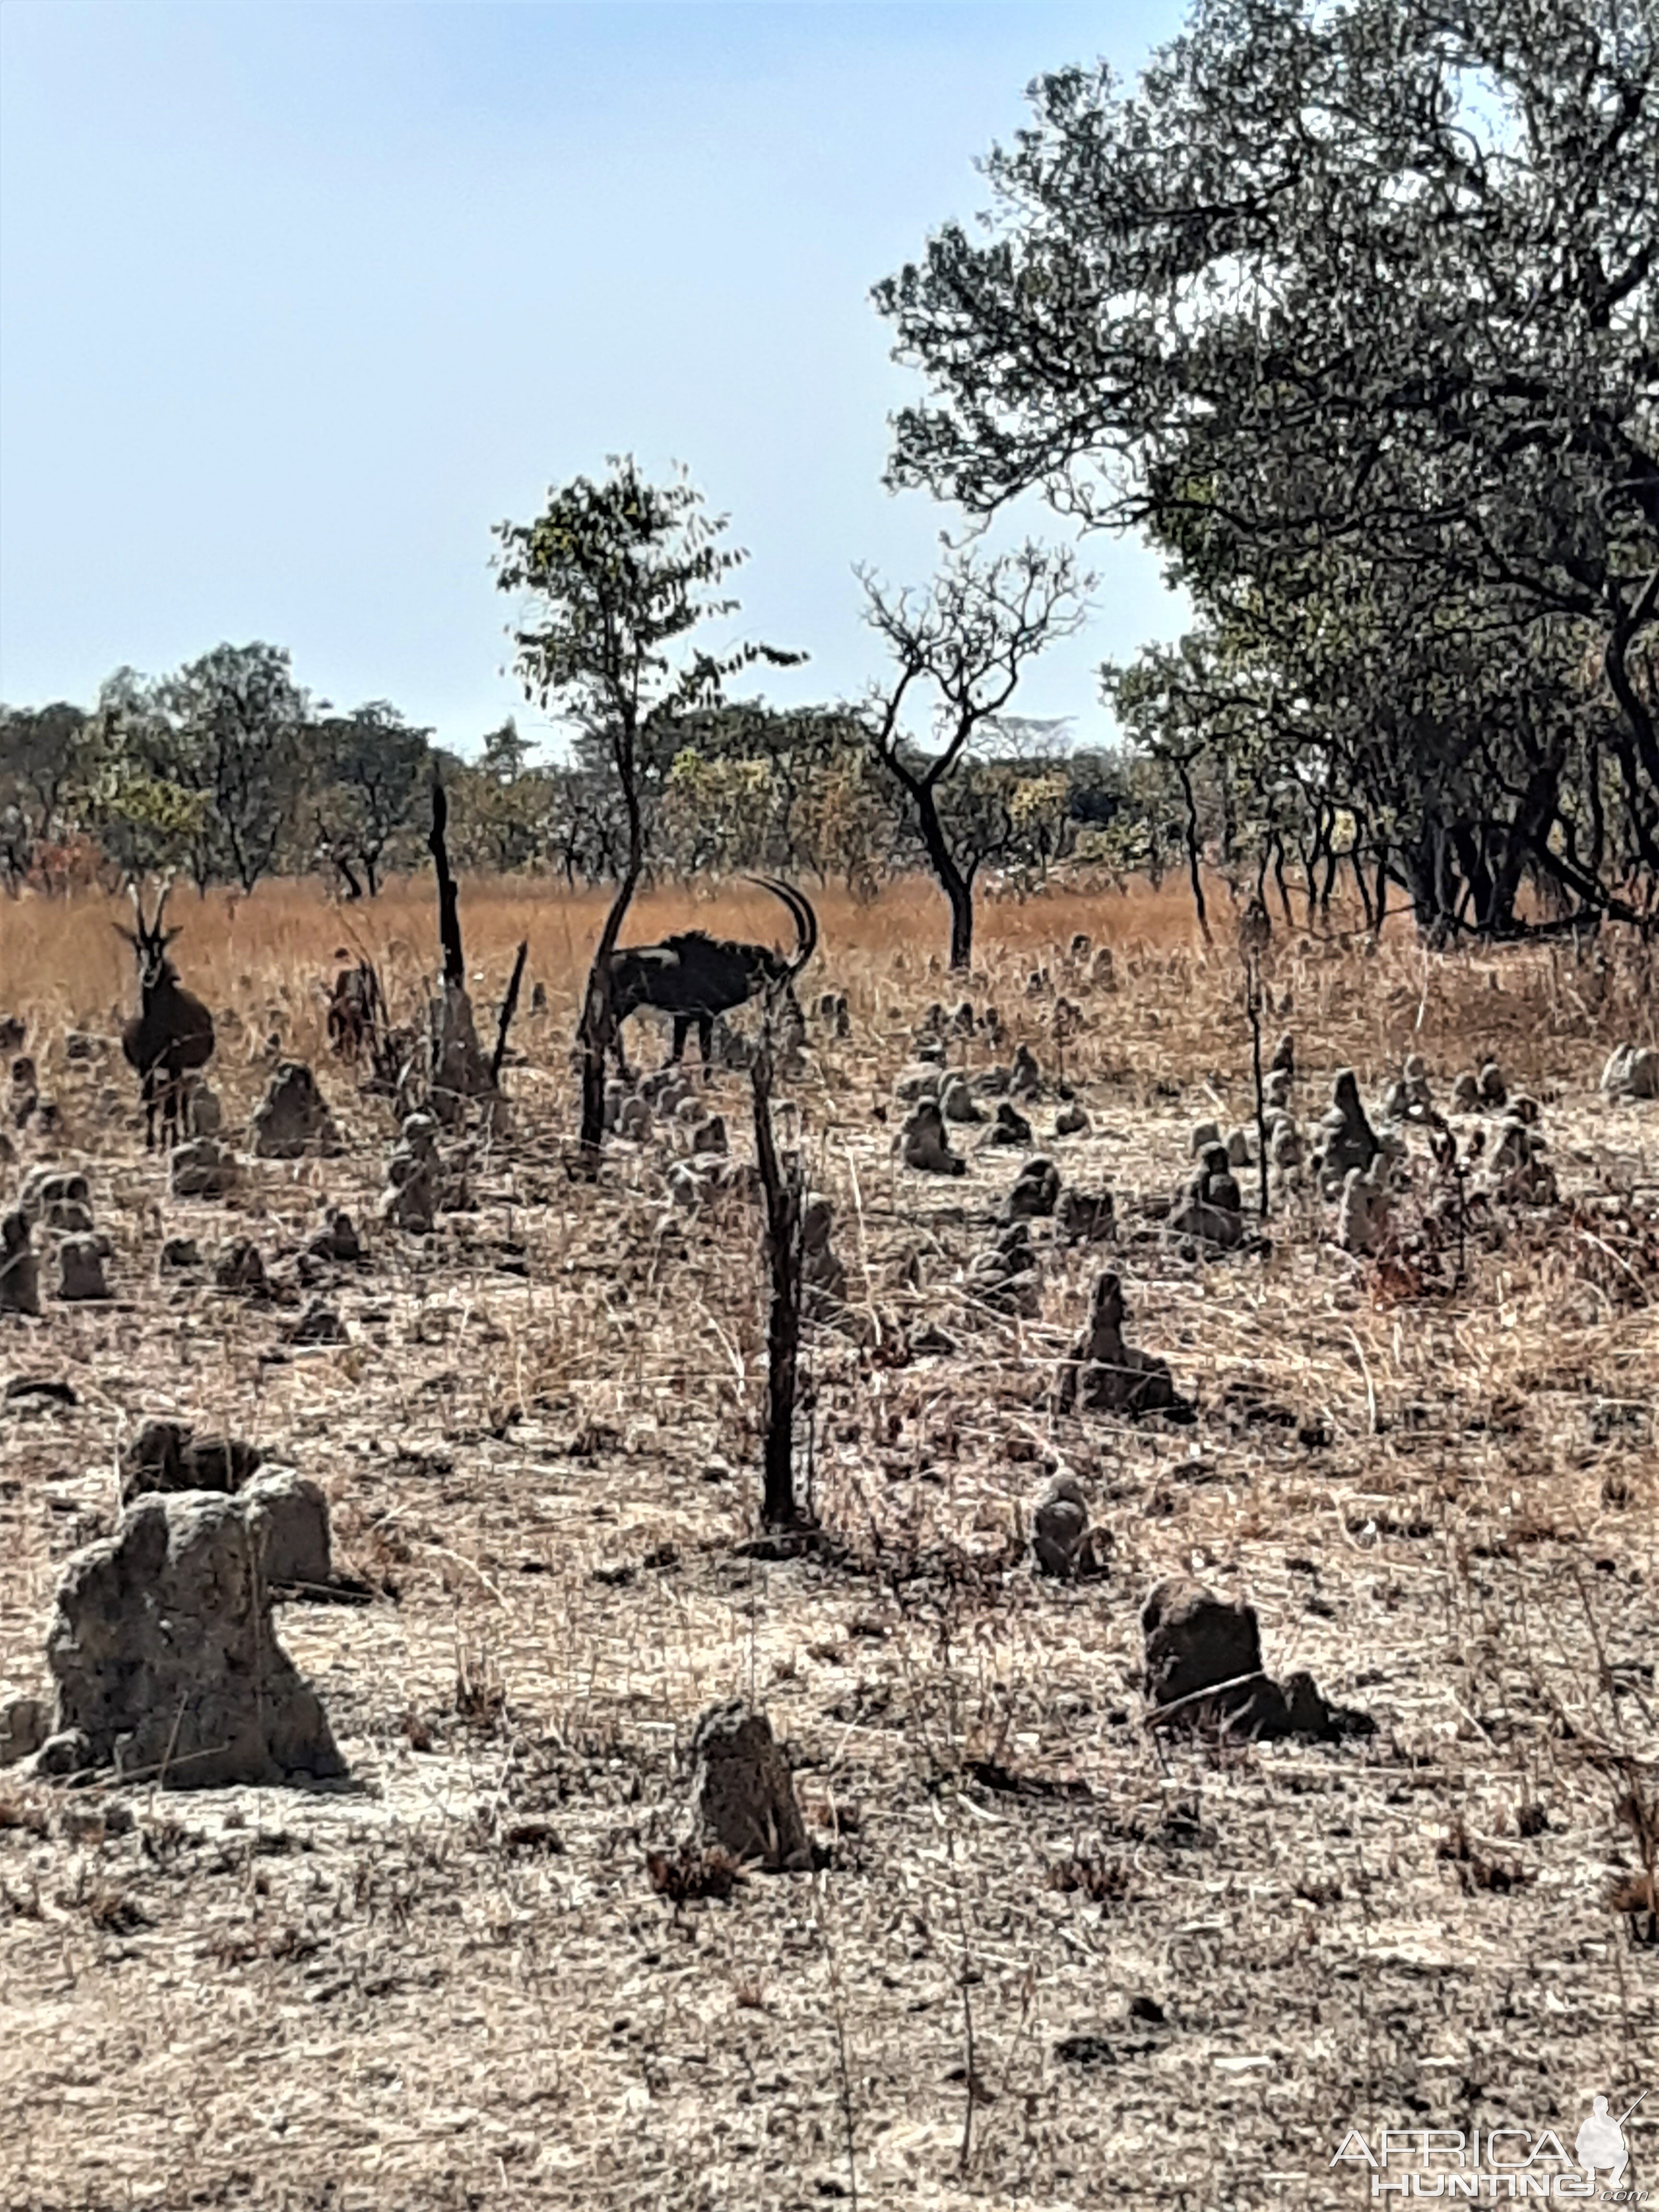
{"x": 840, "y": 815}
{"x": 237, "y": 720}
{"x": 42, "y": 761}
{"x": 144, "y": 799}
{"x": 715, "y": 813}
{"x": 376, "y": 768}
{"x": 506, "y": 754}
{"x": 1352, "y": 308}
{"x": 970, "y": 635}
{"x": 1039, "y": 810}
{"x": 1125, "y": 808}
{"x": 792, "y": 789}
{"x": 583, "y": 831}
{"x": 616, "y": 576}
{"x": 504, "y": 823}
{"x": 1457, "y": 745}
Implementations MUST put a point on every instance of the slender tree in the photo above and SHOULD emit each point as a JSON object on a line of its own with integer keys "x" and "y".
{"x": 972, "y": 635}
{"x": 615, "y": 576}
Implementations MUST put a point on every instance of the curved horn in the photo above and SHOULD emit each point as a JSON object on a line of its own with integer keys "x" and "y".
{"x": 800, "y": 913}
{"x": 137, "y": 904}
{"x": 167, "y": 885}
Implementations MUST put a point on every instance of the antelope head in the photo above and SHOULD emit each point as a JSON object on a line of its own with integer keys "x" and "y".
{"x": 149, "y": 942}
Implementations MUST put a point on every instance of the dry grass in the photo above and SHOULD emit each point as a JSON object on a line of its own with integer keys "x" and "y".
{"x": 1150, "y": 1968}
{"x": 271, "y": 956}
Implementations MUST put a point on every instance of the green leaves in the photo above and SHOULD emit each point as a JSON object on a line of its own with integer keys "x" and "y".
{"x": 615, "y": 574}
{"x": 1353, "y": 309}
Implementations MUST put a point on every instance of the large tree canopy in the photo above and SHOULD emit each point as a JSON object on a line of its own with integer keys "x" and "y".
{"x": 1360, "y": 294}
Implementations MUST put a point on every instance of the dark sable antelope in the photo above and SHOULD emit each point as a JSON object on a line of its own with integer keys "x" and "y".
{"x": 357, "y": 1009}
{"x": 694, "y": 976}
{"x": 172, "y": 1035}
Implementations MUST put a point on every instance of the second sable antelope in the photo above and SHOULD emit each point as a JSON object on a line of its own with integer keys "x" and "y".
{"x": 172, "y": 1035}
{"x": 694, "y": 976}
{"x": 356, "y": 1009}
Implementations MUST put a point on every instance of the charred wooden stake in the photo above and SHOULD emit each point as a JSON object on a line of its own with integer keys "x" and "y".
{"x": 782, "y": 1187}
{"x": 449, "y": 914}
{"x": 509, "y": 1007}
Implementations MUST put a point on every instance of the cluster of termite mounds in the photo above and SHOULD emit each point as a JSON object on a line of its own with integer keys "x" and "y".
{"x": 665, "y": 1112}
{"x": 163, "y": 1661}
{"x": 57, "y": 1203}
{"x": 163, "y": 1654}
{"x": 50, "y": 1247}
{"x": 1349, "y": 1169}
{"x": 1203, "y": 1674}
{"x": 164, "y": 1667}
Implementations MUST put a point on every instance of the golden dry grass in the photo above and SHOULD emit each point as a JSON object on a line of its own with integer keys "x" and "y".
{"x": 458, "y": 1986}
{"x": 63, "y": 955}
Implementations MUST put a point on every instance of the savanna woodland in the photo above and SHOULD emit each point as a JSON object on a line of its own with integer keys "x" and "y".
{"x": 973, "y": 1524}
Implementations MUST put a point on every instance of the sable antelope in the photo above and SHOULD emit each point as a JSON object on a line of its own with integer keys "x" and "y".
{"x": 173, "y": 1032}
{"x": 357, "y": 1009}
{"x": 694, "y": 976}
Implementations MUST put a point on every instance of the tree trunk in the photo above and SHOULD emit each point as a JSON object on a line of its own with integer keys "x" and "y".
{"x": 1327, "y": 861}
{"x": 958, "y": 888}
{"x": 1194, "y": 852}
{"x": 1598, "y": 814}
{"x": 1423, "y": 865}
{"x": 1357, "y": 866}
{"x": 599, "y": 1022}
{"x": 1540, "y": 804}
{"x": 1477, "y": 874}
{"x": 961, "y": 897}
{"x": 1627, "y": 624}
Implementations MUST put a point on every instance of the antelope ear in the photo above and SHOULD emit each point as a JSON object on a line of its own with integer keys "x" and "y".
{"x": 170, "y": 934}
{"x": 129, "y": 935}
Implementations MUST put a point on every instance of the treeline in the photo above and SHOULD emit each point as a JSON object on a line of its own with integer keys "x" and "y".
{"x": 226, "y": 771}
{"x": 229, "y": 772}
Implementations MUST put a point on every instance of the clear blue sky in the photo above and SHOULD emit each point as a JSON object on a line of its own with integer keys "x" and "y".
{"x": 296, "y": 300}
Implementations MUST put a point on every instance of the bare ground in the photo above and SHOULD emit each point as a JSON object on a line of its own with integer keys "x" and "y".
{"x": 1049, "y": 1957}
